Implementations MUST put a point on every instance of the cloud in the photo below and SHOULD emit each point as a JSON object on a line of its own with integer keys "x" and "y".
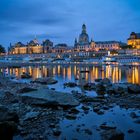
{"x": 61, "y": 20}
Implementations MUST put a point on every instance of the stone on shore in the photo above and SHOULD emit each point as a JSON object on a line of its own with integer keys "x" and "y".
{"x": 31, "y": 115}
{"x": 7, "y": 130}
{"x": 70, "y": 84}
{"x": 117, "y": 89}
{"x": 8, "y": 126}
{"x": 100, "y": 88}
{"x": 106, "y": 81}
{"x": 89, "y": 86}
{"x": 112, "y": 134}
{"x": 45, "y": 81}
{"x": 26, "y": 89}
{"x": 7, "y": 115}
{"x": 46, "y": 97}
{"x": 134, "y": 88}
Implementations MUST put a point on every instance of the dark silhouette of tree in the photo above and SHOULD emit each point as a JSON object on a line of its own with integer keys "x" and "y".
{"x": 2, "y": 49}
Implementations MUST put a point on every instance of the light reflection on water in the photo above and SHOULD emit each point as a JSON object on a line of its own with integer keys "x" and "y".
{"x": 116, "y": 73}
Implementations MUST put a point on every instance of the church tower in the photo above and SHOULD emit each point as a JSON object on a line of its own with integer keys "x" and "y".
{"x": 83, "y": 37}
{"x": 84, "y": 29}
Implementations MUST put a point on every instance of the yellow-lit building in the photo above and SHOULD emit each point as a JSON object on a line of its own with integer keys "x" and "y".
{"x": 134, "y": 40}
{"x": 33, "y": 47}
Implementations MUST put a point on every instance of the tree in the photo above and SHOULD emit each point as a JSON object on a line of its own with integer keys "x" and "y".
{"x": 2, "y": 49}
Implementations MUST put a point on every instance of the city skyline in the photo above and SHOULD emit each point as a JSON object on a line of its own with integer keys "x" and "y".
{"x": 61, "y": 21}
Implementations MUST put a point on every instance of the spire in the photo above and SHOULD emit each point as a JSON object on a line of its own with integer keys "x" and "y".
{"x": 75, "y": 40}
{"x": 10, "y": 45}
{"x": 75, "y": 43}
{"x": 83, "y": 28}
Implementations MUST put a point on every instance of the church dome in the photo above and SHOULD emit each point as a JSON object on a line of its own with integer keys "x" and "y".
{"x": 84, "y": 38}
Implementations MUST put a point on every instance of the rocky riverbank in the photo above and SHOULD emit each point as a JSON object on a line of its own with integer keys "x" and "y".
{"x": 32, "y": 111}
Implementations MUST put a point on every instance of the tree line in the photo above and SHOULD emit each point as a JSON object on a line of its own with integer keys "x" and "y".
{"x": 2, "y": 49}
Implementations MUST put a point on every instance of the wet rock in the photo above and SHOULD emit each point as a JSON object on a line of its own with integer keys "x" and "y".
{"x": 52, "y": 125}
{"x": 117, "y": 89}
{"x": 74, "y": 111}
{"x": 8, "y": 120}
{"x": 106, "y": 127}
{"x": 31, "y": 115}
{"x": 133, "y": 115}
{"x": 105, "y": 82}
{"x": 88, "y": 131}
{"x": 56, "y": 132}
{"x": 91, "y": 99}
{"x": 112, "y": 135}
{"x": 71, "y": 116}
{"x": 89, "y": 86}
{"x": 26, "y": 89}
{"x": 105, "y": 107}
{"x": 85, "y": 108}
{"x": 7, "y": 115}
{"x": 102, "y": 97}
{"x": 96, "y": 109}
{"x": 100, "y": 88}
{"x": 74, "y": 92}
{"x": 130, "y": 131}
{"x": 134, "y": 88}
{"x": 46, "y": 97}
{"x": 52, "y": 88}
{"x": 70, "y": 84}
{"x": 10, "y": 97}
{"x": 0, "y": 84}
{"x": 100, "y": 112}
{"x": 7, "y": 130}
{"x": 77, "y": 129}
{"x": 137, "y": 121}
{"x": 45, "y": 81}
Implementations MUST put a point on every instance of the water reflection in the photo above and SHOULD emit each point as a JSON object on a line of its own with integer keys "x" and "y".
{"x": 129, "y": 74}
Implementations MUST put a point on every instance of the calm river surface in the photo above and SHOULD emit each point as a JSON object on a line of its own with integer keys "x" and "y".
{"x": 62, "y": 73}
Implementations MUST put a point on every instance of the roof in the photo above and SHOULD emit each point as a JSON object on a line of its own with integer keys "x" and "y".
{"x": 138, "y": 35}
{"x": 107, "y": 42}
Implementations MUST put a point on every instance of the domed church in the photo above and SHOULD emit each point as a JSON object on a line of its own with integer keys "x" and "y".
{"x": 83, "y": 43}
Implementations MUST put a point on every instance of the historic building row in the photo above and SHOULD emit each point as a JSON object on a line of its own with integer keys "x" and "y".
{"x": 82, "y": 45}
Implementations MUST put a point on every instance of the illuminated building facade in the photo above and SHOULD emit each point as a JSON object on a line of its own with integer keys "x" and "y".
{"x": 60, "y": 48}
{"x": 134, "y": 40}
{"x": 83, "y": 44}
{"x": 33, "y": 47}
{"x": 107, "y": 45}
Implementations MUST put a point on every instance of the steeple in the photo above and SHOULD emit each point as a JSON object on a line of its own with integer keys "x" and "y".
{"x": 75, "y": 40}
{"x": 83, "y": 28}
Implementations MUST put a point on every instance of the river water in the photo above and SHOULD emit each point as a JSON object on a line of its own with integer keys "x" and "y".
{"x": 116, "y": 73}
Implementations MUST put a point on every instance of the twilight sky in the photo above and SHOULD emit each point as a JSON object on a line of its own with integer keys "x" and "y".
{"x": 61, "y": 20}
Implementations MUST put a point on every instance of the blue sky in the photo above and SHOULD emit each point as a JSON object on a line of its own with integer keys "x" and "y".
{"x": 61, "y": 20}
